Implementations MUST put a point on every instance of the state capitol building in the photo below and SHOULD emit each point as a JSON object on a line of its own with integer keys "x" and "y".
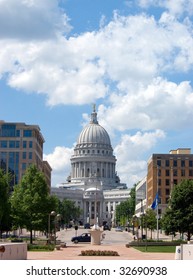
{"x": 93, "y": 183}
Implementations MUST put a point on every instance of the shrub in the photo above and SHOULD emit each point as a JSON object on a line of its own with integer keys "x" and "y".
{"x": 98, "y": 253}
{"x": 16, "y": 240}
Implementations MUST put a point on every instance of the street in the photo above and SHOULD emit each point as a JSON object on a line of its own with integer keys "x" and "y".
{"x": 110, "y": 237}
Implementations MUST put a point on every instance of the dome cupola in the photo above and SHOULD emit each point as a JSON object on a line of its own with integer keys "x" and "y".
{"x": 94, "y": 133}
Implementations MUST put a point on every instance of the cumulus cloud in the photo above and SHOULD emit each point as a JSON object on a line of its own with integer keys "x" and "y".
{"x": 59, "y": 161}
{"x": 81, "y": 69}
{"x": 175, "y": 7}
{"x": 31, "y": 19}
{"x": 162, "y": 104}
{"x": 129, "y": 152}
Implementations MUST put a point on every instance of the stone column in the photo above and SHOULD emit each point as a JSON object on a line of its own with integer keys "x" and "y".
{"x": 89, "y": 209}
{"x": 84, "y": 212}
{"x": 84, "y": 169}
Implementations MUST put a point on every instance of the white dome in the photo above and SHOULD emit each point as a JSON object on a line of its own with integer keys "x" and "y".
{"x": 94, "y": 133}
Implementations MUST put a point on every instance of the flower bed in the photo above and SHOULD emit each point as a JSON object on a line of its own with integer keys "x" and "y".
{"x": 98, "y": 253}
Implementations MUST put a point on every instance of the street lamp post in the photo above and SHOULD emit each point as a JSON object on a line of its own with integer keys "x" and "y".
{"x": 142, "y": 215}
{"x": 53, "y": 213}
{"x": 135, "y": 225}
{"x": 56, "y": 218}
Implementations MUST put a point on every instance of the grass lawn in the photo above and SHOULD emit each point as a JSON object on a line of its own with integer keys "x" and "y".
{"x": 33, "y": 247}
{"x": 157, "y": 249}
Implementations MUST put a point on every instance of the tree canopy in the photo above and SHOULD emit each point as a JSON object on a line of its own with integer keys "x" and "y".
{"x": 31, "y": 202}
{"x": 69, "y": 211}
{"x": 179, "y": 215}
{"x": 4, "y": 202}
{"x": 149, "y": 220}
{"x": 126, "y": 209}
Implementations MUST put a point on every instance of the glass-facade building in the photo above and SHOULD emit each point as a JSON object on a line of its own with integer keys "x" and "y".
{"x": 20, "y": 146}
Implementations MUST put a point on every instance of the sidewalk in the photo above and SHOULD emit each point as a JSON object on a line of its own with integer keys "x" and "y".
{"x": 73, "y": 252}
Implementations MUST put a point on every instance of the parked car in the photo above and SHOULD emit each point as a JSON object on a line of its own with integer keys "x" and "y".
{"x": 106, "y": 227}
{"x": 119, "y": 229}
{"x": 87, "y": 226}
{"x": 85, "y": 237}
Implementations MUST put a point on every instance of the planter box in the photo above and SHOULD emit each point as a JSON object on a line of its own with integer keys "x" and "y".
{"x": 63, "y": 245}
{"x": 16, "y": 251}
{"x": 57, "y": 247}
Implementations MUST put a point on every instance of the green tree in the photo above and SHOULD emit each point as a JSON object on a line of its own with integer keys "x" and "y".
{"x": 132, "y": 199}
{"x": 123, "y": 212}
{"x": 181, "y": 208}
{"x": 4, "y": 202}
{"x": 31, "y": 202}
{"x": 69, "y": 211}
{"x": 126, "y": 209}
{"x": 168, "y": 222}
{"x": 150, "y": 220}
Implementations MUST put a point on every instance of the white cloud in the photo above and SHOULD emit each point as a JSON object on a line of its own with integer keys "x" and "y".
{"x": 31, "y": 20}
{"x": 162, "y": 104}
{"x": 133, "y": 146}
{"x": 131, "y": 150}
{"x": 59, "y": 161}
{"x": 83, "y": 70}
{"x": 123, "y": 57}
{"x": 175, "y": 7}
{"x": 178, "y": 7}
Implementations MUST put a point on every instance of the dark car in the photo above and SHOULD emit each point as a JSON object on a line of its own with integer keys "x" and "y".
{"x": 106, "y": 227}
{"x": 85, "y": 237}
{"x": 87, "y": 226}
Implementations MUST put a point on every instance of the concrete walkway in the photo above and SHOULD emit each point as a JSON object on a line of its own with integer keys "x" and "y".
{"x": 72, "y": 252}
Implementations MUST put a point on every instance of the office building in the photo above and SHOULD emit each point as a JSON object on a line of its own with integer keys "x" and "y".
{"x": 20, "y": 146}
{"x": 164, "y": 172}
{"x": 141, "y": 197}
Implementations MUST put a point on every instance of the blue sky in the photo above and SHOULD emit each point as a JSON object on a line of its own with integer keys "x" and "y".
{"x": 134, "y": 59}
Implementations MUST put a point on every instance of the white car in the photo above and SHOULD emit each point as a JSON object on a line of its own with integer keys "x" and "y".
{"x": 119, "y": 229}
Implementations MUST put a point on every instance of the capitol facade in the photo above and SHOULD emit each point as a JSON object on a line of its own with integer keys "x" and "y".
{"x": 93, "y": 184}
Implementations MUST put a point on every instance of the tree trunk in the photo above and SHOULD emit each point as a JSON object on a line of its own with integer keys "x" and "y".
{"x": 31, "y": 237}
{"x": 188, "y": 236}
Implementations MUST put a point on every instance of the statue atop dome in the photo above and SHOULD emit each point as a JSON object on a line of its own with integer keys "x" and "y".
{"x": 94, "y": 115}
